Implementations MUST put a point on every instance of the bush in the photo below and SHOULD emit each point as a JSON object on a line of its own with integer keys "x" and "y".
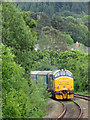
{"x": 19, "y": 100}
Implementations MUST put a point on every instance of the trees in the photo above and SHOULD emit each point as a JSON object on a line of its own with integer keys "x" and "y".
{"x": 75, "y": 61}
{"x": 70, "y": 18}
{"x": 68, "y": 39}
{"x": 42, "y": 21}
{"x": 52, "y": 39}
{"x": 86, "y": 20}
{"x": 18, "y": 99}
{"x": 52, "y": 7}
{"x": 14, "y": 84}
{"x": 18, "y": 35}
{"x": 18, "y": 91}
{"x": 73, "y": 27}
{"x": 43, "y": 61}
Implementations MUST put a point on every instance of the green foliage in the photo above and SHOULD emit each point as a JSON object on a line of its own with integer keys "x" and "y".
{"x": 37, "y": 7}
{"x": 83, "y": 93}
{"x": 79, "y": 33}
{"x": 69, "y": 18}
{"x": 18, "y": 91}
{"x": 75, "y": 61}
{"x": 42, "y": 20}
{"x": 53, "y": 7}
{"x": 73, "y": 27}
{"x": 43, "y": 61}
{"x": 68, "y": 39}
{"x": 14, "y": 84}
{"x": 86, "y": 20}
{"x": 18, "y": 99}
{"x": 0, "y": 81}
{"x": 82, "y": 73}
{"x": 18, "y": 35}
{"x": 39, "y": 98}
{"x": 30, "y": 22}
{"x": 52, "y": 39}
{"x": 66, "y": 13}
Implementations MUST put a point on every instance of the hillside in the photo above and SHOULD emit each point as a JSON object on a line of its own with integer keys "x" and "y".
{"x": 50, "y": 8}
{"x": 71, "y": 19}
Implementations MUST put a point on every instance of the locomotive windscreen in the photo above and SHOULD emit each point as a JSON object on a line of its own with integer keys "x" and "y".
{"x": 62, "y": 73}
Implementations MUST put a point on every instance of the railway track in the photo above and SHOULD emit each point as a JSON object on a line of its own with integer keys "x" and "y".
{"x": 69, "y": 113}
{"x": 80, "y": 110}
{"x": 67, "y": 110}
{"x": 85, "y": 97}
{"x": 63, "y": 112}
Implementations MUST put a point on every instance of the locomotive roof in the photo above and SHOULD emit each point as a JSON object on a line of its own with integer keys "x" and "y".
{"x": 54, "y": 72}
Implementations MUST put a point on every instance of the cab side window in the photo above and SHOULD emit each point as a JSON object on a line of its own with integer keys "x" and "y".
{"x": 57, "y": 74}
{"x": 68, "y": 74}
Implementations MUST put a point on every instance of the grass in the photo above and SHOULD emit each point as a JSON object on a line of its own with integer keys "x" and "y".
{"x": 69, "y": 103}
{"x": 83, "y": 93}
{"x": 58, "y": 102}
{"x": 79, "y": 101}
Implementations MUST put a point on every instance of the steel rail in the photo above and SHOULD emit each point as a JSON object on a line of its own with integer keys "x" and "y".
{"x": 83, "y": 95}
{"x": 80, "y": 114}
{"x": 64, "y": 111}
{"x": 86, "y": 97}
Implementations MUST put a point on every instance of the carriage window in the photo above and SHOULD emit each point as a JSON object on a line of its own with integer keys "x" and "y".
{"x": 62, "y": 73}
{"x": 68, "y": 74}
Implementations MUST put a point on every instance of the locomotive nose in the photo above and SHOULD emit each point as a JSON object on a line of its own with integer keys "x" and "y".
{"x": 64, "y": 91}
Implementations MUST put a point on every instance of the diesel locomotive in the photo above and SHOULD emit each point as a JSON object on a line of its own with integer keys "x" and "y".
{"x": 61, "y": 84}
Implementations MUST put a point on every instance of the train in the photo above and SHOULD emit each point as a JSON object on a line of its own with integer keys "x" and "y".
{"x": 59, "y": 82}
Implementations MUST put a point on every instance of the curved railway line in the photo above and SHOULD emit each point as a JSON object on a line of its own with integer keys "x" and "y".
{"x": 63, "y": 112}
{"x": 85, "y": 97}
{"x": 67, "y": 112}
{"x": 71, "y": 109}
{"x": 80, "y": 110}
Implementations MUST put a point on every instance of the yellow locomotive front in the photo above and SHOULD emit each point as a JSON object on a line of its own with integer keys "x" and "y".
{"x": 63, "y": 84}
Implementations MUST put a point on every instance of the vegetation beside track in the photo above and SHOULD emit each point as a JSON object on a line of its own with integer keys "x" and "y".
{"x": 83, "y": 93}
{"x": 69, "y": 103}
{"x": 21, "y": 97}
{"x": 18, "y": 98}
